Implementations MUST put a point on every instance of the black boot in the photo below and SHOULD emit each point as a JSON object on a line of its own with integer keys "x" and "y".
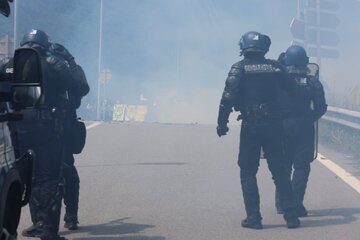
{"x": 33, "y": 231}
{"x": 278, "y": 207}
{"x": 292, "y": 220}
{"x": 5, "y": 235}
{"x": 71, "y": 222}
{"x": 49, "y": 234}
{"x": 52, "y": 237}
{"x": 253, "y": 222}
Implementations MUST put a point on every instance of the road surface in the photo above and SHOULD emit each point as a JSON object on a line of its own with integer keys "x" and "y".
{"x": 151, "y": 181}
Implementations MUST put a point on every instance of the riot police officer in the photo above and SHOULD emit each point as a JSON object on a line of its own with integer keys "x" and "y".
{"x": 306, "y": 104}
{"x": 43, "y": 131}
{"x": 70, "y": 174}
{"x": 252, "y": 88}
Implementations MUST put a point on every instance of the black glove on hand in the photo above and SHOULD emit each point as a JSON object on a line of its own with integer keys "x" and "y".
{"x": 222, "y": 130}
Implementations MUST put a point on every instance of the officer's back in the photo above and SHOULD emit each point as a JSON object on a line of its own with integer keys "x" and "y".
{"x": 262, "y": 78}
{"x": 252, "y": 87}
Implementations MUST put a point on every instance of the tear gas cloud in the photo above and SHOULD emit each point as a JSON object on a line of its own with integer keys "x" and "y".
{"x": 177, "y": 53}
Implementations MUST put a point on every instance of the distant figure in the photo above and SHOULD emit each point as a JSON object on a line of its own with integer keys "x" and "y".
{"x": 306, "y": 104}
{"x": 252, "y": 88}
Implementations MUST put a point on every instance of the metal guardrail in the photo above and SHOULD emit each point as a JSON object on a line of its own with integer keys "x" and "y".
{"x": 343, "y": 117}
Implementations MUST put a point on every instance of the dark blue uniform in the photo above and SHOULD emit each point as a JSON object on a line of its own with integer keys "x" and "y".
{"x": 306, "y": 104}
{"x": 70, "y": 174}
{"x": 252, "y": 88}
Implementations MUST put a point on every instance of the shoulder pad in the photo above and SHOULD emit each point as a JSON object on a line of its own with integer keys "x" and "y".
{"x": 231, "y": 81}
{"x": 236, "y": 69}
{"x": 6, "y": 65}
{"x": 276, "y": 64}
{"x": 57, "y": 63}
{"x": 57, "y": 47}
{"x": 315, "y": 82}
{"x": 62, "y": 51}
{"x": 5, "y": 61}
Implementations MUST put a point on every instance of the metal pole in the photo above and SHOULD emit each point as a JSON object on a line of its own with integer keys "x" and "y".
{"x": 318, "y": 43}
{"x": 306, "y": 25}
{"x": 298, "y": 9}
{"x": 100, "y": 61}
{"x": 15, "y": 23}
{"x": 104, "y": 105}
{"x": 177, "y": 65}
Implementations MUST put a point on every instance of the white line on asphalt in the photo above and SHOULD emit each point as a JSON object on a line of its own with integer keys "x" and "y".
{"x": 93, "y": 125}
{"x": 340, "y": 172}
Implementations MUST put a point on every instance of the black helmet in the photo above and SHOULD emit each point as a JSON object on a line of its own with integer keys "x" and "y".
{"x": 281, "y": 58}
{"x": 295, "y": 55}
{"x": 36, "y": 36}
{"x": 254, "y": 42}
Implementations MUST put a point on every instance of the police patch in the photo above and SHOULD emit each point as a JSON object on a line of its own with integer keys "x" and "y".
{"x": 261, "y": 68}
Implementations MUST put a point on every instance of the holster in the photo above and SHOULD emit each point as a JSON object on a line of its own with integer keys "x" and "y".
{"x": 75, "y": 136}
{"x": 40, "y": 114}
{"x": 260, "y": 111}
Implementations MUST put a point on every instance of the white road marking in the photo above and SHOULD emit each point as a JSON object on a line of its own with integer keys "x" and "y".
{"x": 340, "y": 172}
{"x": 95, "y": 124}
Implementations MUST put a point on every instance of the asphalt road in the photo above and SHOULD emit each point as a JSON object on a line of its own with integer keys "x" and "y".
{"x": 181, "y": 182}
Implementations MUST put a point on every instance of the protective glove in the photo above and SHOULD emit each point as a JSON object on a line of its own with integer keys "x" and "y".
{"x": 222, "y": 130}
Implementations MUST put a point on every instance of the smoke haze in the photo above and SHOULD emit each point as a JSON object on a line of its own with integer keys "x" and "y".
{"x": 177, "y": 53}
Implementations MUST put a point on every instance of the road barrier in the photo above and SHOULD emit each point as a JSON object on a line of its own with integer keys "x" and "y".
{"x": 343, "y": 117}
{"x": 340, "y": 128}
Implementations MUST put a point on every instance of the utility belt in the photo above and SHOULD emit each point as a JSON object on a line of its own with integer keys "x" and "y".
{"x": 46, "y": 115}
{"x": 260, "y": 111}
{"x": 297, "y": 115}
{"x": 38, "y": 114}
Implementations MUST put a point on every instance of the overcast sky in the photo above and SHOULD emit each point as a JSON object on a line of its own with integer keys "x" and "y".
{"x": 177, "y": 53}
